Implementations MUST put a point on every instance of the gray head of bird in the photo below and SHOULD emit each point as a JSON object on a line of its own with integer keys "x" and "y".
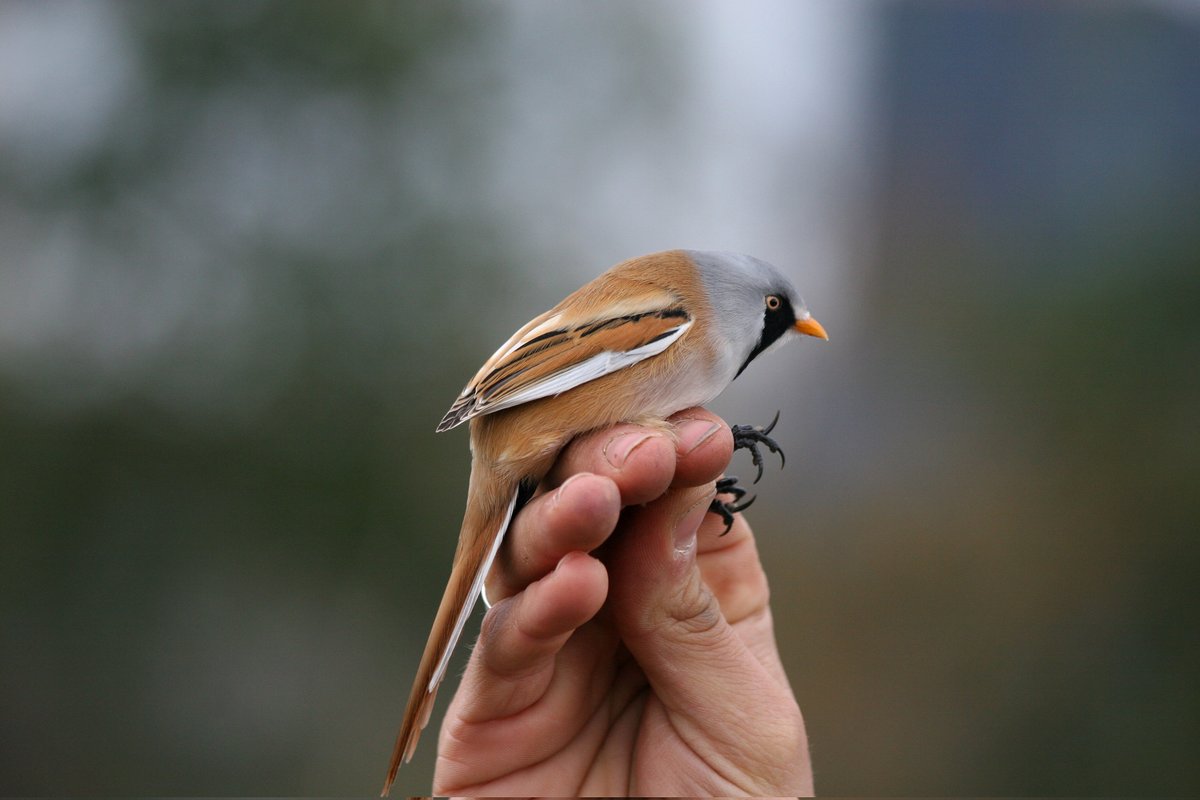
{"x": 755, "y": 308}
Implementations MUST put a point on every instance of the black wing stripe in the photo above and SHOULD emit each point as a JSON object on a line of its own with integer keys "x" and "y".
{"x": 484, "y": 393}
{"x": 540, "y": 337}
{"x": 666, "y": 313}
{"x": 540, "y": 348}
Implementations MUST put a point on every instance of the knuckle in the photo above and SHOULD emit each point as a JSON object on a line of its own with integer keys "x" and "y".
{"x": 696, "y": 613}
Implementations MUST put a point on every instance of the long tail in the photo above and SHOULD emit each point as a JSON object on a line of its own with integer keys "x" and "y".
{"x": 480, "y": 539}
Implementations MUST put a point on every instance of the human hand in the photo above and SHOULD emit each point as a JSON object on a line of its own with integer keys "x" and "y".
{"x": 634, "y": 652}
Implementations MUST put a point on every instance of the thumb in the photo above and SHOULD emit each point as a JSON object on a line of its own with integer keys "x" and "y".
{"x": 672, "y": 624}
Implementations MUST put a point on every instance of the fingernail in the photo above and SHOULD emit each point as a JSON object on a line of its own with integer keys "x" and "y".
{"x": 688, "y": 525}
{"x": 619, "y": 447}
{"x": 695, "y": 432}
{"x": 561, "y": 490}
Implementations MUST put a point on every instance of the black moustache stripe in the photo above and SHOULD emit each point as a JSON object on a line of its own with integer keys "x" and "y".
{"x": 775, "y": 324}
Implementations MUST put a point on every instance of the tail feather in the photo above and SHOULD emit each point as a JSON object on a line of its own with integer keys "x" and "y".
{"x": 476, "y": 551}
{"x": 464, "y": 614}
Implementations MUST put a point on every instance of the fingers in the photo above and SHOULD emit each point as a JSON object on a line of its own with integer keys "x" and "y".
{"x": 692, "y": 448}
{"x": 704, "y": 447}
{"x": 730, "y": 567}
{"x": 709, "y": 676}
{"x": 522, "y": 695}
{"x": 639, "y": 460}
{"x": 597, "y": 475}
{"x": 689, "y": 606}
{"x": 522, "y": 635}
{"x": 577, "y": 516}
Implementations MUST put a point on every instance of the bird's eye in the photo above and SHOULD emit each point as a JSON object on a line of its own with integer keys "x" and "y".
{"x": 773, "y": 302}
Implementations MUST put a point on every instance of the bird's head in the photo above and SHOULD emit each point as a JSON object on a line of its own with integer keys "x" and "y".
{"x": 754, "y": 306}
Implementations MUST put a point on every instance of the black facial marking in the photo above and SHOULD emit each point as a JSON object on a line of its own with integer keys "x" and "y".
{"x": 776, "y": 322}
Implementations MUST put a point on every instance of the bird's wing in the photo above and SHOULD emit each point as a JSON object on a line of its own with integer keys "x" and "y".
{"x": 602, "y": 332}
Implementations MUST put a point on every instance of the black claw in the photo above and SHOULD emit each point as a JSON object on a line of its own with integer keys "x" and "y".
{"x": 743, "y": 506}
{"x": 726, "y": 509}
{"x": 749, "y": 437}
{"x": 728, "y": 485}
{"x": 722, "y": 510}
{"x": 745, "y": 437}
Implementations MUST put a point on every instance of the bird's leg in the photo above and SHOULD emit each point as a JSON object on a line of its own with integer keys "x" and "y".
{"x": 749, "y": 437}
{"x": 726, "y": 510}
{"x": 745, "y": 437}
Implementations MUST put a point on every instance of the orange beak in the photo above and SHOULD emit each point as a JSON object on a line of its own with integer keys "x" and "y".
{"x": 810, "y": 327}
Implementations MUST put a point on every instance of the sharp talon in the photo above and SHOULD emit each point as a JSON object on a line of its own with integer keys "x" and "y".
{"x": 729, "y": 486}
{"x": 726, "y": 510}
{"x": 739, "y": 507}
{"x": 722, "y": 510}
{"x": 750, "y": 437}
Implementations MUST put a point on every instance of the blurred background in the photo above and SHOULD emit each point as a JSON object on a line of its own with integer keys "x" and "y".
{"x": 251, "y": 251}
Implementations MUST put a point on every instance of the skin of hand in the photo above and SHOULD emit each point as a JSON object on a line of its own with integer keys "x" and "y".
{"x": 633, "y": 652}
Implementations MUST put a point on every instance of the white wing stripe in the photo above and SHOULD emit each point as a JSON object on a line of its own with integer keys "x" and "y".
{"x": 588, "y": 370}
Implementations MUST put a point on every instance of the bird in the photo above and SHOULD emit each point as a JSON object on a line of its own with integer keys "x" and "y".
{"x": 651, "y": 336}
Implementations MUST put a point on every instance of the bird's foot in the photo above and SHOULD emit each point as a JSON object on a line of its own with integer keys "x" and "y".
{"x": 726, "y": 509}
{"x": 749, "y": 437}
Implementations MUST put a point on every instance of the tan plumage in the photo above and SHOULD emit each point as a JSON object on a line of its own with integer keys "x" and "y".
{"x": 650, "y": 337}
{"x": 618, "y": 312}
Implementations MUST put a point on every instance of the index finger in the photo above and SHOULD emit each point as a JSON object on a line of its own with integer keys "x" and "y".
{"x": 640, "y": 461}
{"x": 701, "y": 441}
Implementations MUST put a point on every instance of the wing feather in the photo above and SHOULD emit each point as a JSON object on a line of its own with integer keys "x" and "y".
{"x": 557, "y": 351}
